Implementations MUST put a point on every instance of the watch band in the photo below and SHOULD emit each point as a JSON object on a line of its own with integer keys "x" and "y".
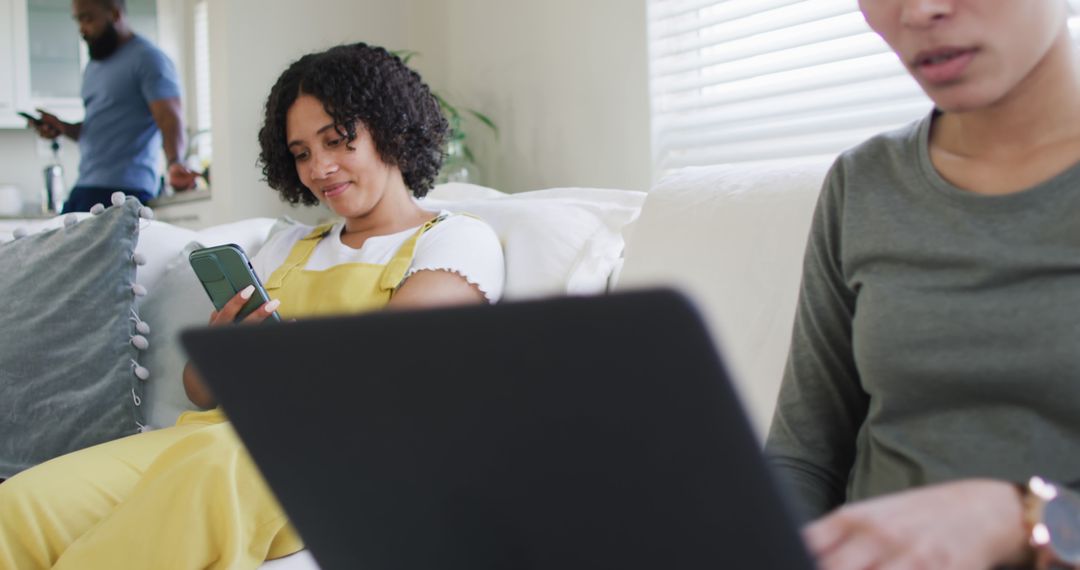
{"x": 1036, "y": 495}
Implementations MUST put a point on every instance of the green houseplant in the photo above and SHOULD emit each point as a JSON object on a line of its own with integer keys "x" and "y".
{"x": 460, "y": 164}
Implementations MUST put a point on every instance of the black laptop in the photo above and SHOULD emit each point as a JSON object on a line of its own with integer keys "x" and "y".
{"x": 558, "y": 434}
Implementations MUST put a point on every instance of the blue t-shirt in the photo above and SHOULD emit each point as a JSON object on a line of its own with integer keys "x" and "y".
{"x": 120, "y": 143}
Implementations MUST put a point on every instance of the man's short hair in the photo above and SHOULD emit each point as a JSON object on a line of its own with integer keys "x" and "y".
{"x": 110, "y": 4}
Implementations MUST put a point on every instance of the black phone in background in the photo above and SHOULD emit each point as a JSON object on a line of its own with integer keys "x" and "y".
{"x": 29, "y": 117}
{"x": 224, "y": 271}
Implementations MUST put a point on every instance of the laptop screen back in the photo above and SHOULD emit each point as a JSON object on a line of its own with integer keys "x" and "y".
{"x": 569, "y": 433}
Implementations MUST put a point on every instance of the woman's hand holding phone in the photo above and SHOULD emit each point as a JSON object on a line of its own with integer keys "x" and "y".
{"x": 225, "y": 272}
{"x": 227, "y": 314}
{"x": 222, "y": 270}
{"x": 193, "y": 384}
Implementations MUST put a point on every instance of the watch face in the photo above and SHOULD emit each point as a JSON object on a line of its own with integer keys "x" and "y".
{"x": 1062, "y": 517}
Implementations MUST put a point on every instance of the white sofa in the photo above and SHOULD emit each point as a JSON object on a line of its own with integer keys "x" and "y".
{"x": 731, "y": 238}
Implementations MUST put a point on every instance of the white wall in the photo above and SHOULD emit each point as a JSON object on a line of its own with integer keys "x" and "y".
{"x": 251, "y": 43}
{"x": 566, "y": 81}
{"x": 23, "y": 156}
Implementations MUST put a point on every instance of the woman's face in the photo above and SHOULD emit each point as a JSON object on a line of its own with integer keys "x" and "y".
{"x": 351, "y": 182}
{"x": 968, "y": 54}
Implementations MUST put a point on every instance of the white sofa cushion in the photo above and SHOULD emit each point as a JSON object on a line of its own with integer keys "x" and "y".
{"x": 175, "y": 303}
{"x": 250, "y": 234}
{"x": 302, "y": 560}
{"x": 178, "y": 301}
{"x": 732, "y": 238}
{"x": 555, "y": 241}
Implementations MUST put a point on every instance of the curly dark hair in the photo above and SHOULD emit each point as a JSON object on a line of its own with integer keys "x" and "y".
{"x": 357, "y": 82}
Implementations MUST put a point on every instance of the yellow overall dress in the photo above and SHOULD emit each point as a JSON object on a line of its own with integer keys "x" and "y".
{"x": 187, "y": 497}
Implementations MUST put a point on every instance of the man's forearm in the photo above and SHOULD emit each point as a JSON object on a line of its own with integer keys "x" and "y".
{"x": 171, "y": 124}
{"x": 72, "y": 130}
{"x": 172, "y": 138}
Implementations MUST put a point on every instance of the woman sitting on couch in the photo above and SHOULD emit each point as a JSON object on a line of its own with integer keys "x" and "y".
{"x": 935, "y": 364}
{"x": 352, "y": 128}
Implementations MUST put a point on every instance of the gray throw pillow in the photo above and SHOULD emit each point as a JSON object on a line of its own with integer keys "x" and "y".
{"x": 68, "y": 339}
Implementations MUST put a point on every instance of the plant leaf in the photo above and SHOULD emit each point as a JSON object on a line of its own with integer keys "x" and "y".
{"x": 486, "y": 120}
{"x": 468, "y": 154}
{"x": 447, "y": 108}
{"x": 406, "y": 55}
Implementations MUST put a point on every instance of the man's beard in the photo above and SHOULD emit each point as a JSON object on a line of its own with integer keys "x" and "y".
{"x": 104, "y": 45}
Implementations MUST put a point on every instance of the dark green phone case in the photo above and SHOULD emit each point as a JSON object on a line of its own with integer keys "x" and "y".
{"x": 224, "y": 271}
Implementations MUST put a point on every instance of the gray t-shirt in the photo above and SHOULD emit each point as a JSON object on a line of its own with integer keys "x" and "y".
{"x": 937, "y": 334}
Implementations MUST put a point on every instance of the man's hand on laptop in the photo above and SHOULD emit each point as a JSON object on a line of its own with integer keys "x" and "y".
{"x": 960, "y": 525}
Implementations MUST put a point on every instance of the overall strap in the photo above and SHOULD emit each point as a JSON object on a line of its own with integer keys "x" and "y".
{"x": 397, "y": 268}
{"x": 298, "y": 255}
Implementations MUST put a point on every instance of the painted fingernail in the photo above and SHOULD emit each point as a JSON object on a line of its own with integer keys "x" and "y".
{"x": 271, "y": 306}
{"x": 246, "y": 292}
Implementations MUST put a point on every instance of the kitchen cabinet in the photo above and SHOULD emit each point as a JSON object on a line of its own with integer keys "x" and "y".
{"x": 56, "y": 55}
{"x": 8, "y": 72}
{"x": 43, "y": 55}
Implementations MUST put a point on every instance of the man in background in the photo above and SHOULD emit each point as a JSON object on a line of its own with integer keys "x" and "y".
{"x": 131, "y": 94}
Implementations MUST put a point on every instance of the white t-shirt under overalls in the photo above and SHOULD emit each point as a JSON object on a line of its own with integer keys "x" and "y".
{"x": 461, "y": 244}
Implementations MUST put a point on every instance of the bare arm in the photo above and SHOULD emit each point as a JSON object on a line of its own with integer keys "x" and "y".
{"x": 426, "y": 289}
{"x": 195, "y": 388}
{"x": 970, "y": 523}
{"x": 168, "y": 114}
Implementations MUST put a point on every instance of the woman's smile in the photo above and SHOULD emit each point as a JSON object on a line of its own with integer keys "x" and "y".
{"x": 335, "y": 189}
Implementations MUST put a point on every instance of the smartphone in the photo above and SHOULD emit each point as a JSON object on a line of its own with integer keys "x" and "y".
{"x": 224, "y": 271}
{"x": 29, "y": 117}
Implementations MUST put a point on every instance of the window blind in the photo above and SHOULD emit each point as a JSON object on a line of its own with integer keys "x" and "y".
{"x": 762, "y": 80}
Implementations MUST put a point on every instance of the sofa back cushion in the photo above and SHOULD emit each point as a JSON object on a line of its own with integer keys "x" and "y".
{"x": 67, "y": 354}
{"x": 555, "y": 241}
{"x": 732, "y": 238}
{"x": 178, "y": 301}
